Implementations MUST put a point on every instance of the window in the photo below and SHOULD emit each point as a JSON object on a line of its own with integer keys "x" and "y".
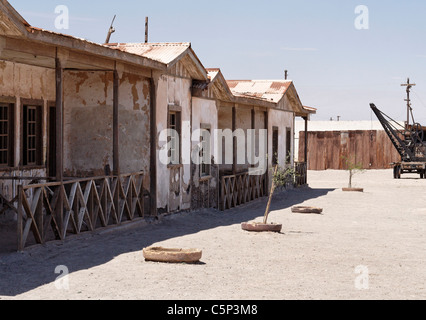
{"x": 274, "y": 146}
{"x": 6, "y": 134}
{"x": 288, "y": 146}
{"x": 205, "y": 154}
{"x": 32, "y": 143}
{"x": 174, "y": 137}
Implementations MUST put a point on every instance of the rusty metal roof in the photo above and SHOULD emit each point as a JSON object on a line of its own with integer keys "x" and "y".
{"x": 270, "y": 90}
{"x": 162, "y": 52}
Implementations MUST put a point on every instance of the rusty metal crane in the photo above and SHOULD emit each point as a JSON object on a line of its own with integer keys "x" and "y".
{"x": 408, "y": 141}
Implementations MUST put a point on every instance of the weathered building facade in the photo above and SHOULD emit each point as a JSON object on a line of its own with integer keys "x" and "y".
{"x": 87, "y": 131}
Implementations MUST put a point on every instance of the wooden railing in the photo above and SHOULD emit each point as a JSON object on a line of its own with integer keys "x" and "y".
{"x": 241, "y": 188}
{"x": 301, "y": 170}
{"x": 78, "y": 205}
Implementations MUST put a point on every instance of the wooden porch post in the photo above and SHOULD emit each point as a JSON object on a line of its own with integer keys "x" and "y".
{"x": 234, "y": 140}
{"x": 306, "y": 139}
{"x": 20, "y": 223}
{"x": 253, "y": 127}
{"x": 59, "y": 79}
{"x": 153, "y": 150}
{"x": 306, "y": 149}
{"x": 59, "y": 122}
{"x": 266, "y": 125}
{"x": 115, "y": 153}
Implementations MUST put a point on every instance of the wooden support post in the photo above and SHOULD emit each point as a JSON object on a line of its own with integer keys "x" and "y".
{"x": 20, "y": 229}
{"x": 234, "y": 140}
{"x": 115, "y": 152}
{"x": 59, "y": 139}
{"x": 59, "y": 121}
{"x": 306, "y": 139}
{"x": 253, "y": 147}
{"x": 266, "y": 125}
{"x": 153, "y": 150}
{"x": 305, "y": 180}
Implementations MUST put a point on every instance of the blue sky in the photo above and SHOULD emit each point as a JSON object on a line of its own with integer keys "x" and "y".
{"x": 335, "y": 67}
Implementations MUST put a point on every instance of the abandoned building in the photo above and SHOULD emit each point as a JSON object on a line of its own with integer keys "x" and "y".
{"x": 81, "y": 125}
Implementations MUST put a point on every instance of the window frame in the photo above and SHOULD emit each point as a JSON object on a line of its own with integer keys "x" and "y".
{"x": 275, "y": 145}
{"x": 288, "y": 145}
{"x": 10, "y": 103}
{"x": 36, "y": 132}
{"x": 205, "y": 168}
{"x": 177, "y": 126}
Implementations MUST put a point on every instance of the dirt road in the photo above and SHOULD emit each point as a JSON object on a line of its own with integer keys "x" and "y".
{"x": 367, "y": 245}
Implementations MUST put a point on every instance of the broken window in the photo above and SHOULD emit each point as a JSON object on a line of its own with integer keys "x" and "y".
{"x": 32, "y": 135}
{"x": 6, "y": 134}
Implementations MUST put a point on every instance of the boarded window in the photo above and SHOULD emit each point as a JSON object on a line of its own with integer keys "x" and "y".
{"x": 32, "y": 135}
{"x": 6, "y": 134}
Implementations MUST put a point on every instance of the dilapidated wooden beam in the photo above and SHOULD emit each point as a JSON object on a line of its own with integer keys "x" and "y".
{"x": 116, "y": 158}
{"x": 59, "y": 120}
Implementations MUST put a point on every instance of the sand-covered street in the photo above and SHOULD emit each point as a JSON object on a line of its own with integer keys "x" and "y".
{"x": 367, "y": 245}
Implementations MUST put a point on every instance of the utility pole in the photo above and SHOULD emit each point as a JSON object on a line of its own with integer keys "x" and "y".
{"x": 146, "y": 30}
{"x": 409, "y": 109}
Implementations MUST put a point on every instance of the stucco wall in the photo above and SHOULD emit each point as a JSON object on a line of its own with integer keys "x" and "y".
{"x": 19, "y": 81}
{"x": 204, "y": 112}
{"x": 282, "y": 120}
{"x": 174, "y": 92}
{"x": 88, "y": 123}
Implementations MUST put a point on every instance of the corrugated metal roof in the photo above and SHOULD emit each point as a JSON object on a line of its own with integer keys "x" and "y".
{"x": 270, "y": 90}
{"x": 161, "y": 52}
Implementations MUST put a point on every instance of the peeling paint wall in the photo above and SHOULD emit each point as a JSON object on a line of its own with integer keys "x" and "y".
{"x": 19, "y": 81}
{"x": 243, "y": 121}
{"x": 224, "y": 122}
{"x": 88, "y": 122}
{"x": 282, "y": 120}
{"x": 174, "y": 183}
{"x": 204, "y": 193}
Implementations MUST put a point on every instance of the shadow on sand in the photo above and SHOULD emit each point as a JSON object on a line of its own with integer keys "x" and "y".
{"x": 22, "y": 272}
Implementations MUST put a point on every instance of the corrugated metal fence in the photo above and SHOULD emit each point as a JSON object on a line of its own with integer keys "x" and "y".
{"x": 327, "y": 150}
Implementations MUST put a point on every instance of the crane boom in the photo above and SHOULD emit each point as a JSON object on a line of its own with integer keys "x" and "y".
{"x": 395, "y": 135}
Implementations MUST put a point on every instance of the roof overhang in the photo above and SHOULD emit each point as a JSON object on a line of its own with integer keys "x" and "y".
{"x": 22, "y": 43}
{"x": 168, "y": 53}
{"x": 11, "y": 22}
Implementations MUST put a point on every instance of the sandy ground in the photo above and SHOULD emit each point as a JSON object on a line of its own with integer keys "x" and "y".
{"x": 315, "y": 257}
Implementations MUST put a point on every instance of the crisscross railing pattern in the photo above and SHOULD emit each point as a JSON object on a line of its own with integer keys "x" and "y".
{"x": 76, "y": 206}
{"x": 241, "y": 188}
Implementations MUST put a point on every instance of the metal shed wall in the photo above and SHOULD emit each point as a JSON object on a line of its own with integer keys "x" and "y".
{"x": 327, "y": 149}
